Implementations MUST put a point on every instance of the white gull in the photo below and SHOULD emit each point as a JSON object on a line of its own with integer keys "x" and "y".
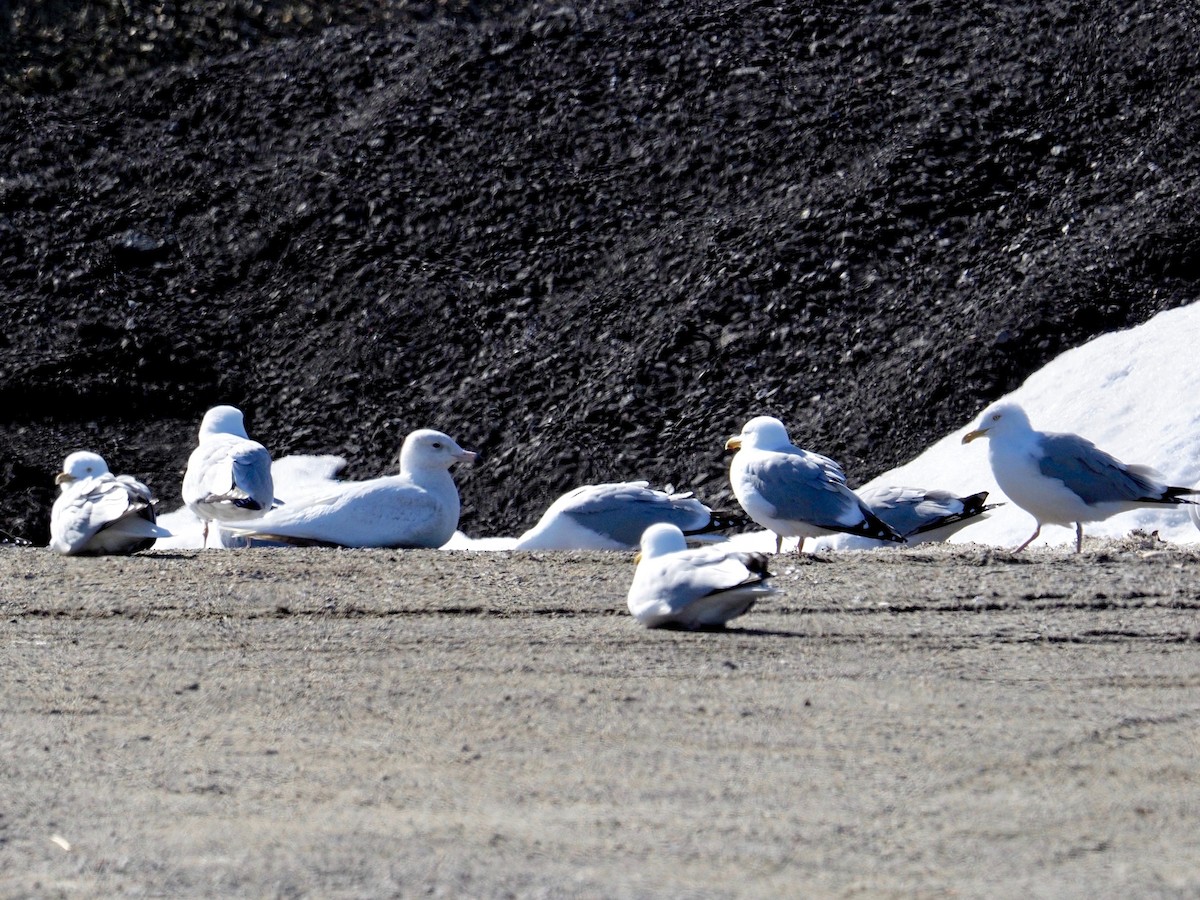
{"x": 418, "y": 507}
{"x": 702, "y": 587}
{"x": 97, "y": 512}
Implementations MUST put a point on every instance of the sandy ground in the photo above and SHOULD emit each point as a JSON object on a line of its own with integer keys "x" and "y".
{"x": 948, "y": 722}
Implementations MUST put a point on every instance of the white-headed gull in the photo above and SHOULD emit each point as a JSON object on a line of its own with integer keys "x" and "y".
{"x": 793, "y": 492}
{"x": 228, "y": 477}
{"x": 98, "y": 512}
{"x": 702, "y": 587}
{"x": 418, "y": 507}
{"x": 1062, "y": 479}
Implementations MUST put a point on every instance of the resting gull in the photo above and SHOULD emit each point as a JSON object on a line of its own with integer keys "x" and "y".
{"x": 793, "y": 492}
{"x": 97, "y": 512}
{"x": 1061, "y": 479}
{"x": 921, "y": 516}
{"x": 228, "y": 477}
{"x": 416, "y": 508}
{"x": 703, "y": 587}
{"x": 613, "y": 517}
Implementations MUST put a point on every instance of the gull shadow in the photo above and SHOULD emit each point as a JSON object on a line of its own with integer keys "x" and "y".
{"x": 735, "y": 632}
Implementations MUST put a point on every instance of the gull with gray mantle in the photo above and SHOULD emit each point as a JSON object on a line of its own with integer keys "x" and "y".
{"x": 793, "y": 492}
{"x": 228, "y": 477}
{"x": 921, "y": 516}
{"x": 614, "y": 516}
{"x": 675, "y": 586}
{"x": 98, "y": 512}
{"x": 1062, "y": 479}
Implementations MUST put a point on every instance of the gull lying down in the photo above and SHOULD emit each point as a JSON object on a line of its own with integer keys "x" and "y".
{"x": 614, "y": 516}
{"x": 418, "y": 507}
{"x": 675, "y": 586}
{"x": 97, "y": 512}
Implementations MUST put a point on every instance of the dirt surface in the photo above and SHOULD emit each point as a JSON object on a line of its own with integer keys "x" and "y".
{"x": 931, "y": 722}
{"x": 587, "y": 240}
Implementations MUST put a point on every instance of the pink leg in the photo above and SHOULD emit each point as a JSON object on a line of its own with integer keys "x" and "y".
{"x": 779, "y": 543}
{"x": 204, "y": 543}
{"x": 1032, "y": 538}
{"x": 799, "y": 546}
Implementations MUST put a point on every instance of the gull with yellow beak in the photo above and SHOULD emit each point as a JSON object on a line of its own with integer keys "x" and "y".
{"x": 675, "y": 586}
{"x": 793, "y": 492}
{"x": 97, "y": 512}
{"x": 1062, "y": 479}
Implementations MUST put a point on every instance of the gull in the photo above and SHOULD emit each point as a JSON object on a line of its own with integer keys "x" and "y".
{"x": 793, "y": 492}
{"x": 699, "y": 588}
{"x": 921, "y": 516}
{"x": 418, "y": 507}
{"x": 613, "y": 517}
{"x": 1061, "y": 479}
{"x": 97, "y": 512}
{"x": 228, "y": 477}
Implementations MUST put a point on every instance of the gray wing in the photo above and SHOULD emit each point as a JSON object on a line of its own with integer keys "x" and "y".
{"x": 252, "y": 475}
{"x": 1093, "y": 474}
{"x": 804, "y": 489}
{"x": 623, "y": 511}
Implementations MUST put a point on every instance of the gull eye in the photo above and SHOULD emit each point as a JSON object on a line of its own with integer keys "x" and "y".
{"x": 437, "y": 445}
{"x": 996, "y": 417}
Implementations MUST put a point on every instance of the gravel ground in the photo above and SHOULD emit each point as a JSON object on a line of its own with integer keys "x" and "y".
{"x": 934, "y": 722}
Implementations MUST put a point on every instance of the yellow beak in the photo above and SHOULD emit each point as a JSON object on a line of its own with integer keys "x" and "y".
{"x": 734, "y": 443}
{"x": 63, "y": 477}
{"x": 971, "y": 435}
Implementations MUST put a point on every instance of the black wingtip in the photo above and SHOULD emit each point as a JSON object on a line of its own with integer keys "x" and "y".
{"x": 1178, "y": 495}
{"x": 874, "y": 527}
{"x": 720, "y": 520}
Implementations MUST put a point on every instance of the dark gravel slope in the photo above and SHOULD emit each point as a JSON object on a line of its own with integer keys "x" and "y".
{"x": 587, "y": 241}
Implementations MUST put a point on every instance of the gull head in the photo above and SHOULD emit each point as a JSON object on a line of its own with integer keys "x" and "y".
{"x": 1000, "y": 420}
{"x": 660, "y": 539}
{"x": 762, "y": 433}
{"x": 224, "y": 420}
{"x": 429, "y": 449}
{"x": 81, "y": 464}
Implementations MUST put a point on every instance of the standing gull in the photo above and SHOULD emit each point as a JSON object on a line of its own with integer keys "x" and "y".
{"x": 418, "y": 507}
{"x": 98, "y": 512}
{"x": 793, "y": 492}
{"x": 1061, "y": 479}
{"x": 228, "y": 477}
{"x": 613, "y": 517}
{"x": 921, "y": 516}
{"x": 704, "y": 587}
